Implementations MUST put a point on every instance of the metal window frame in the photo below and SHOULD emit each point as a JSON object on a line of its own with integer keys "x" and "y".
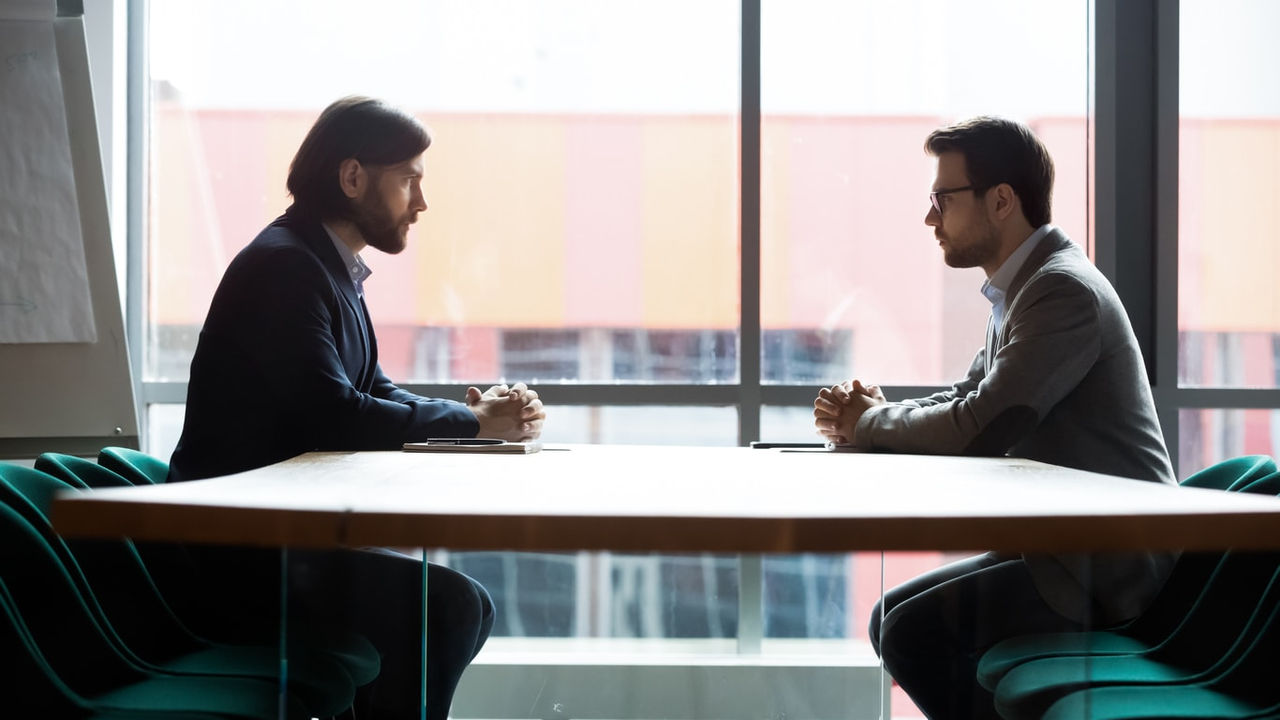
{"x": 1134, "y": 108}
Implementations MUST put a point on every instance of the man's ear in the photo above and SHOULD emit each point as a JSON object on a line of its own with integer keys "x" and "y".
{"x": 1004, "y": 200}
{"x": 352, "y": 178}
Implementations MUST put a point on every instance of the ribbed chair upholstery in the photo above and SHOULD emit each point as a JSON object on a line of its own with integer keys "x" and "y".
{"x": 116, "y": 587}
{"x": 1237, "y": 472}
{"x": 186, "y": 590}
{"x": 169, "y": 573}
{"x": 135, "y": 466}
{"x": 1181, "y": 590}
{"x": 28, "y": 683}
{"x": 1240, "y": 598}
{"x": 1244, "y": 689}
{"x": 79, "y": 472}
{"x": 92, "y": 675}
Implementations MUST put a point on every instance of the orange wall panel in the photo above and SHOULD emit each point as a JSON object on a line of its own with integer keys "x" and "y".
{"x": 690, "y": 220}
{"x": 491, "y": 246}
{"x": 1234, "y": 174}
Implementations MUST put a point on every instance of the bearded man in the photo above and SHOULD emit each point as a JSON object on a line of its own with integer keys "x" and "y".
{"x": 287, "y": 362}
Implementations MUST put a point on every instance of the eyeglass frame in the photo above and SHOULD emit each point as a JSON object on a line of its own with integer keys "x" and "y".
{"x": 935, "y": 195}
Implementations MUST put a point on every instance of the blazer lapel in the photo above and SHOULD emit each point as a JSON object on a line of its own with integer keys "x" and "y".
{"x": 318, "y": 240}
{"x": 1055, "y": 241}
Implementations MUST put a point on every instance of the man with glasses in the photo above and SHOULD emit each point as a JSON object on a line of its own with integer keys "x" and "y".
{"x": 1060, "y": 379}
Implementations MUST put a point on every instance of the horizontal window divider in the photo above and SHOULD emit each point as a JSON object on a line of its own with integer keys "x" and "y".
{"x": 553, "y": 393}
{"x": 164, "y": 392}
{"x": 805, "y": 394}
{"x": 1227, "y": 398}
{"x": 600, "y": 393}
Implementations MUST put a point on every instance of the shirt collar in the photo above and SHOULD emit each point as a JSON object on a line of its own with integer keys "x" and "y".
{"x": 356, "y": 268}
{"x": 995, "y": 286}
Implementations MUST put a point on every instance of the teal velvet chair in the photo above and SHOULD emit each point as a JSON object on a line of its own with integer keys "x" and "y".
{"x": 1184, "y": 585}
{"x": 1234, "y": 609}
{"x": 92, "y": 674}
{"x": 28, "y": 682}
{"x": 168, "y": 571}
{"x": 79, "y": 472}
{"x": 117, "y": 589}
{"x": 135, "y": 466}
{"x": 1244, "y": 689}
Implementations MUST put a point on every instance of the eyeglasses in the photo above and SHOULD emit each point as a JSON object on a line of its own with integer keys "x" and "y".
{"x": 936, "y": 196}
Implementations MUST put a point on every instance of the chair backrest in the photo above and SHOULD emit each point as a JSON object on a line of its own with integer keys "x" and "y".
{"x": 79, "y": 472}
{"x": 110, "y": 576}
{"x": 1251, "y": 675}
{"x": 1265, "y": 485}
{"x": 60, "y": 624}
{"x": 1233, "y": 473}
{"x": 1187, "y": 581}
{"x": 31, "y": 688}
{"x": 1245, "y": 585}
{"x": 135, "y": 466}
{"x": 35, "y": 488}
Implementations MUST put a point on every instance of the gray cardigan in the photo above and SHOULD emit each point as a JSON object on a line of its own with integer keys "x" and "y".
{"x": 1063, "y": 382}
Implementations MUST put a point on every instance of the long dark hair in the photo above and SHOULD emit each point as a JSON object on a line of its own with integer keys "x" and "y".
{"x": 363, "y": 128}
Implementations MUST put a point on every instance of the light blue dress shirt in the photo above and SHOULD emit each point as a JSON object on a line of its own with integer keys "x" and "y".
{"x": 355, "y": 266}
{"x": 995, "y": 286}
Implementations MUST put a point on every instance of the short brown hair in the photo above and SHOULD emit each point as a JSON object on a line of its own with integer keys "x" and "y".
{"x": 998, "y": 151}
{"x": 363, "y": 128}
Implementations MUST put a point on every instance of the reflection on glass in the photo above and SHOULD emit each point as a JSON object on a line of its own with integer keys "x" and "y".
{"x": 1229, "y": 132}
{"x": 780, "y": 423}
{"x": 849, "y": 92}
{"x": 583, "y": 188}
{"x": 638, "y": 425}
{"x": 1206, "y": 437}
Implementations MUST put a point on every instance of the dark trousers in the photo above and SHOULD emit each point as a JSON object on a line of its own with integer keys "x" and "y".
{"x": 936, "y": 627}
{"x": 374, "y": 592}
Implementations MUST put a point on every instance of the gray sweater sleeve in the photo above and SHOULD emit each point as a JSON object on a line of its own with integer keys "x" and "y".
{"x": 1053, "y": 338}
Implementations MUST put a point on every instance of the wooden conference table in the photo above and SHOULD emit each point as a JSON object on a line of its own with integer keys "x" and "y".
{"x": 675, "y": 499}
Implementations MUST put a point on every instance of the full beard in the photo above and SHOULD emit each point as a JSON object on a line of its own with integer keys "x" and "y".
{"x": 983, "y": 247}
{"x": 378, "y": 228}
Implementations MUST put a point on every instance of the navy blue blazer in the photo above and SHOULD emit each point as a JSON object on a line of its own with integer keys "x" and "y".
{"x": 287, "y": 362}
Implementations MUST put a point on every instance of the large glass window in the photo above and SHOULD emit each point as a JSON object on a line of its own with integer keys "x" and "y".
{"x": 849, "y": 91}
{"x": 1228, "y": 192}
{"x": 584, "y": 229}
{"x": 583, "y": 180}
{"x": 1208, "y": 436}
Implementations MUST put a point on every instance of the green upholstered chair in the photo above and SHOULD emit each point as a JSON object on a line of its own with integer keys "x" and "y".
{"x": 82, "y": 659}
{"x": 1236, "y": 472}
{"x": 135, "y": 466}
{"x": 1167, "y": 610}
{"x": 29, "y": 683}
{"x": 1244, "y": 688}
{"x": 79, "y": 472}
{"x": 117, "y": 589}
{"x": 1266, "y": 485}
{"x": 167, "y": 567}
{"x": 1238, "y": 601}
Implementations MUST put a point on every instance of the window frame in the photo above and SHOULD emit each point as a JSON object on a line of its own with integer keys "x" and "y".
{"x": 1135, "y": 170}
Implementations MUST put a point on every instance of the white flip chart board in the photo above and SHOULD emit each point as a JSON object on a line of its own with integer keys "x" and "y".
{"x": 65, "y": 382}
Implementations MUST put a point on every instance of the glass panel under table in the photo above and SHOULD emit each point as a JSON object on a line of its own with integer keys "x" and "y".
{"x": 637, "y": 636}
{"x": 1069, "y": 637}
{"x": 591, "y": 634}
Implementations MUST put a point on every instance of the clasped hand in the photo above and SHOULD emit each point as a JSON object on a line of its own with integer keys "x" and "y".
{"x": 837, "y": 409}
{"x": 511, "y": 413}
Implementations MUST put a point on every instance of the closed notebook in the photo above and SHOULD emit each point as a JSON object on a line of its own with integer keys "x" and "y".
{"x": 474, "y": 445}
